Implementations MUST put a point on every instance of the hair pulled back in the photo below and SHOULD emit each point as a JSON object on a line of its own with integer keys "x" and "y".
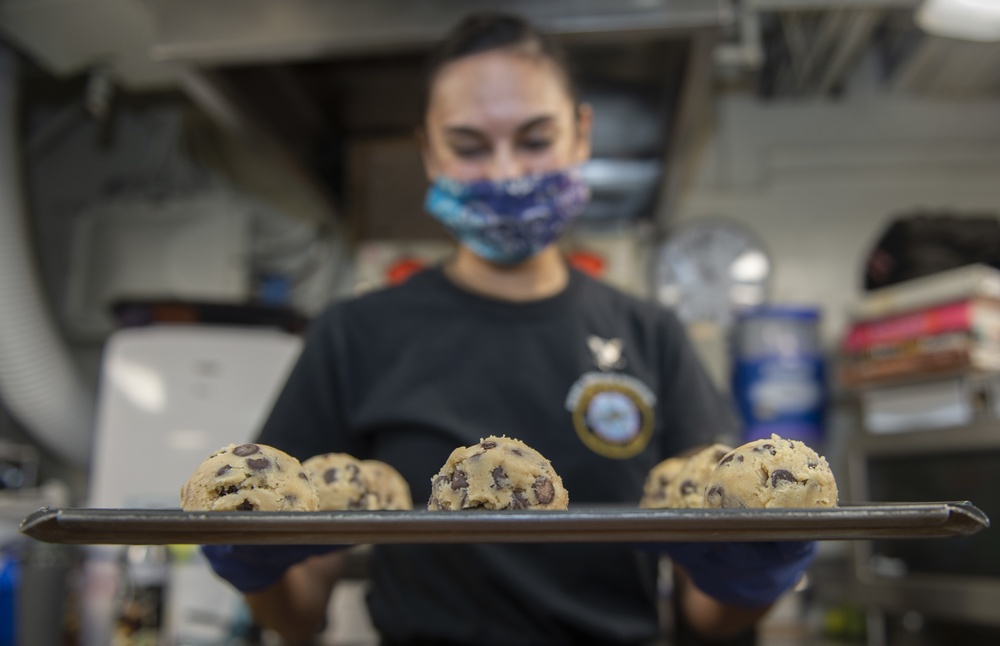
{"x": 485, "y": 32}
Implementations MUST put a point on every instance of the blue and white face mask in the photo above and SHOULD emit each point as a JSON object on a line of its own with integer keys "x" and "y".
{"x": 511, "y": 220}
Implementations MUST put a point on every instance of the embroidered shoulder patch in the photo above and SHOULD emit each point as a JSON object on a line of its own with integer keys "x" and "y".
{"x": 612, "y": 413}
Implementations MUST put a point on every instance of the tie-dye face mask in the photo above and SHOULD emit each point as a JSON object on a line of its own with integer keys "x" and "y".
{"x": 511, "y": 220}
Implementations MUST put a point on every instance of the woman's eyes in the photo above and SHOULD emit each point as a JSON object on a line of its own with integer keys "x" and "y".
{"x": 469, "y": 152}
{"x": 533, "y": 145}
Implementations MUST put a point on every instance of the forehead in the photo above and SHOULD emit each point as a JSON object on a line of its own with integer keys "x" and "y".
{"x": 496, "y": 88}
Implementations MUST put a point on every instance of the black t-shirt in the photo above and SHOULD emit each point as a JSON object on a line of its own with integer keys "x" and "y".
{"x": 600, "y": 383}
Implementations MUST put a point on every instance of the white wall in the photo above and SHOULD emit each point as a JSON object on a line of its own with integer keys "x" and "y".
{"x": 817, "y": 181}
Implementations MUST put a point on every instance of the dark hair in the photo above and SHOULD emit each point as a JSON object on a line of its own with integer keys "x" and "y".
{"x": 484, "y": 32}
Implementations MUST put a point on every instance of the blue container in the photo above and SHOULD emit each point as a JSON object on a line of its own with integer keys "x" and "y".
{"x": 8, "y": 599}
{"x": 779, "y": 374}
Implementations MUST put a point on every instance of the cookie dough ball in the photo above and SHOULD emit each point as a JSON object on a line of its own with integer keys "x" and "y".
{"x": 497, "y": 473}
{"x": 688, "y": 489}
{"x": 772, "y": 473}
{"x": 340, "y": 481}
{"x": 388, "y": 485}
{"x": 249, "y": 477}
{"x": 654, "y": 491}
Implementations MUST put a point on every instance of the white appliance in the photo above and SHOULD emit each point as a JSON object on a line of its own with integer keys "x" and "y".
{"x": 169, "y": 396}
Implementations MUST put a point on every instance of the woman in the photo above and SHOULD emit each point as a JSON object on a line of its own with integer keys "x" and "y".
{"x": 503, "y": 339}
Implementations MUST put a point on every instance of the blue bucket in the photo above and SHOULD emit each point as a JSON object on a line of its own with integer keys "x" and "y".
{"x": 779, "y": 373}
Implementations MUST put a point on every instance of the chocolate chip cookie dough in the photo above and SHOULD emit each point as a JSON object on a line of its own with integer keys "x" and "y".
{"x": 341, "y": 482}
{"x": 654, "y": 491}
{"x": 388, "y": 486}
{"x": 249, "y": 477}
{"x": 687, "y": 489}
{"x": 497, "y": 473}
{"x": 772, "y": 473}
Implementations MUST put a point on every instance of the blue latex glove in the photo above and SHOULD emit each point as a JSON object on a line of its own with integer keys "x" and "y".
{"x": 742, "y": 574}
{"x": 251, "y": 568}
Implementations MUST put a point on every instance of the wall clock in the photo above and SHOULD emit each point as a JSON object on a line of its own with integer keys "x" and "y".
{"x": 710, "y": 269}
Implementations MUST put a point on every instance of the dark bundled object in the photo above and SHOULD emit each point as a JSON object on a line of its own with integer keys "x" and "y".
{"x": 919, "y": 245}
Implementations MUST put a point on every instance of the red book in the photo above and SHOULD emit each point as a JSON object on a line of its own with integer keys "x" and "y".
{"x": 979, "y": 316}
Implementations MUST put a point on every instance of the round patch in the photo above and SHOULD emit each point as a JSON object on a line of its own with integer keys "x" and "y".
{"x": 613, "y": 417}
{"x": 612, "y": 413}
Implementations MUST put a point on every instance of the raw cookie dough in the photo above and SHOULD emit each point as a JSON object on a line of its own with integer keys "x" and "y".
{"x": 340, "y": 481}
{"x": 497, "y": 473}
{"x": 389, "y": 487}
{"x": 772, "y": 473}
{"x": 687, "y": 491}
{"x": 654, "y": 491}
{"x": 249, "y": 477}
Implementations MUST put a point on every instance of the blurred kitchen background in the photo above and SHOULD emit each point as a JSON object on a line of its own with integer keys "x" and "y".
{"x": 813, "y": 184}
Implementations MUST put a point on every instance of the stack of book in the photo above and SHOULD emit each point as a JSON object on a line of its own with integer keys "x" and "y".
{"x": 943, "y": 324}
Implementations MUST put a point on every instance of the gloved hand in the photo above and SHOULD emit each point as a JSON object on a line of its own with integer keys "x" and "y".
{"x": 742, "y": 574}
{"x": 251, "y": 568}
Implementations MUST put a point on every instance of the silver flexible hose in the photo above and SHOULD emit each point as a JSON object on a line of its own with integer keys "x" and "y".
{"x": 39, "y": 382}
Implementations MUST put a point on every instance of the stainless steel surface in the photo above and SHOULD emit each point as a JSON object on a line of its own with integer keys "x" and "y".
{"x": 596, "y": 524}
{"x": 963, "y": 599}
{"x": 832, "y": 5}
{"x": 958, "y": 597}
{"x": 227, "y": 31}
{"x": 982, "y": 435}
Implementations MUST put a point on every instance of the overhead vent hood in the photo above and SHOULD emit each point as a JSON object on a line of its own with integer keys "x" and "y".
{"x": 234, "y": 31}
{"x": 336, "y": 84}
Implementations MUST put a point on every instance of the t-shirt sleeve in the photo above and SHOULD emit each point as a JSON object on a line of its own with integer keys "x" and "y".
{"x": 308, "y": 418}
{"x": 694, "y": 411}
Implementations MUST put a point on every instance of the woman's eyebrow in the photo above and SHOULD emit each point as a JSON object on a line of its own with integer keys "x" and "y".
{"x": 468, "y": 131}
{"x": 464, "y": 131}
{"x": 543, "y": 120}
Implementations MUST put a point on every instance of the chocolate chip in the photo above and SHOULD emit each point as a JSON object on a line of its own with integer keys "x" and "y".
{"x": 489, "y": 444}
{"x": 459, "y": 480}
{"x": 302, "y": 474}
{"x": 355, "y": 473}
{"x": 222, "y": 470}
{"x": 545, "y": 491}
{"x": 765, "y": 447}
{"x": 688, "y": 487}
{"x": 739, "y": 458}
{"x": 518, "y": 501}
{"x": 782, "y": 475}
{"x": 244, "y": 450}
{"x": 228, "y": 490}
{"x": 246, "y": 505}
{"x": 812, "y": 465}
{"x": 727, "y": 459}
{"x": 498, "y": 476}
{"x": 258, "y": 464}
{"x": 664, "y": 481}
{"x": 719, "y": 455}
{"x": 719, "y": 496}
{"x": 517, "y": 452}
{"x": 291, "y": 499}
{"x": 441, "y": 480}
{"x": 330, "y": 475}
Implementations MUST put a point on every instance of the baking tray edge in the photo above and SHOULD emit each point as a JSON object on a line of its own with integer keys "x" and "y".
{"x": 596, "y": 524}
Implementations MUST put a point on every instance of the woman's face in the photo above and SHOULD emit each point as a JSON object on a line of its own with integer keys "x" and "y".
{"x": 499, "y": 115}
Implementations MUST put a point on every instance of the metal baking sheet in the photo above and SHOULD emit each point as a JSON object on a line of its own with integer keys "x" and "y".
{"x": 577, "y": 525}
